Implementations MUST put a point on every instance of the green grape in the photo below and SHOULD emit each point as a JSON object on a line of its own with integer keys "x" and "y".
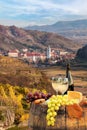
{"x": 50, "y": 114}
{"x": 49, "y": 123}
{"x": 49, "y": 105}
{"x": 47, "y": 117}
{"x": 56, "y": 108}
{"x": 53, "y": 106}
{"x": 52, "y": 124}
{"x": 52, "y": 119}
{"x": 48, "y": 110}
{"x": 54, "y": 114}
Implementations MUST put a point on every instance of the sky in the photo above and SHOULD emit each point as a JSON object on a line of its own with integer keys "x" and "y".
{"x": 23, "y": 13}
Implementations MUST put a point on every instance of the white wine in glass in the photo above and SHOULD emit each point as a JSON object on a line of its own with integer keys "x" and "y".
{"x": 55, "y": 86}
{"x": 60, "y": 85}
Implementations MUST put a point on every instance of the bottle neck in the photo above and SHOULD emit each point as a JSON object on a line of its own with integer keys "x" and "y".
{"x": 67, "y": 70}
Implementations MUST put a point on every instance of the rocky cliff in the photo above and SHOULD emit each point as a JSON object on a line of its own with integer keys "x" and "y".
{"x": 82, "y": 53}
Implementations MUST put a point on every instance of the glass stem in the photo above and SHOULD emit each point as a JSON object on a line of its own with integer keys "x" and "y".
{"x": 56, "y": 92}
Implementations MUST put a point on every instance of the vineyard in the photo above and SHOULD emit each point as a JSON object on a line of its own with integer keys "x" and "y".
{"x": 13, "y": 106}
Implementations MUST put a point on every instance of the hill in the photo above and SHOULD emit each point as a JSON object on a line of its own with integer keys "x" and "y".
{"x": 17, "y": 38}
{"x": 76, "y": 30}
{"x": 61, "y": 26}
{"x": 17, "y": 73}
{"x": 82, "y": 54}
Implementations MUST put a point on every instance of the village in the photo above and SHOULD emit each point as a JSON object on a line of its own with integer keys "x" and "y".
{"x": 51, "y": 56}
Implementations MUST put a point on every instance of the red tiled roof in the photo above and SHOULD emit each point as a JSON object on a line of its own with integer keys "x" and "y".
{"x": 13, "y": 51}
{"x": 33, "y": 54}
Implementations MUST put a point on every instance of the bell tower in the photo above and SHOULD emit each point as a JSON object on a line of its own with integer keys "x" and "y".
{"x": 48, "y": 52}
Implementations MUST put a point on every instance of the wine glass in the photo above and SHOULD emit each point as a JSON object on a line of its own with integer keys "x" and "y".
{"x": 60, "y": 85}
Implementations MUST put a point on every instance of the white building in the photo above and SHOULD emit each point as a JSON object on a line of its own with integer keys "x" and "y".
{"x": 48, "y": 52}
{"x": 33, "y": 56}
{"x": 25, "y": 50}
{"x": 63, "y": 52}
{"x": 13, "y": 53}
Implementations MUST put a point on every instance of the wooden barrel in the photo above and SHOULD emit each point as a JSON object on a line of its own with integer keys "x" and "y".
{"x": 37, "y": 120}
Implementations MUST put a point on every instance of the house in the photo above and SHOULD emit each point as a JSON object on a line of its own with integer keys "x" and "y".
{"x": 34, "y": 56}
{"x": 1, "y": 53}
{"x": 62, "y": 53}
{"x": 13, "y": 53}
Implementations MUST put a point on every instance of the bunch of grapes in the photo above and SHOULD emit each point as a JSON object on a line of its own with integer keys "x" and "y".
{"x": 53, "y": 106}
{"x": 37, "y": 95}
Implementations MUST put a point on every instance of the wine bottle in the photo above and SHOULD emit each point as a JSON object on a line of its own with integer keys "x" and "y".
{"x": 70, "y": 79}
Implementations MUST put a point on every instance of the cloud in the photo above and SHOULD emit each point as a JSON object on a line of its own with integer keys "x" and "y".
{"x": 19, "y": 23}
{"x": 42, "y": 11}
{"x": 28, "y": 7}
{"x": 81, "y": 6}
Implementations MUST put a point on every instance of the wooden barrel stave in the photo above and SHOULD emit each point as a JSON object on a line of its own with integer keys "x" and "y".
{"x": 85, "y": 117}
{"x": 82, "y": 124}
{"x": 60, "y": 119}
{"x": 71, "y": 123}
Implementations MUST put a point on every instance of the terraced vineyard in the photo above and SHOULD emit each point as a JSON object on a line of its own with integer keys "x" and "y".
{"x": 16, "y": 72}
